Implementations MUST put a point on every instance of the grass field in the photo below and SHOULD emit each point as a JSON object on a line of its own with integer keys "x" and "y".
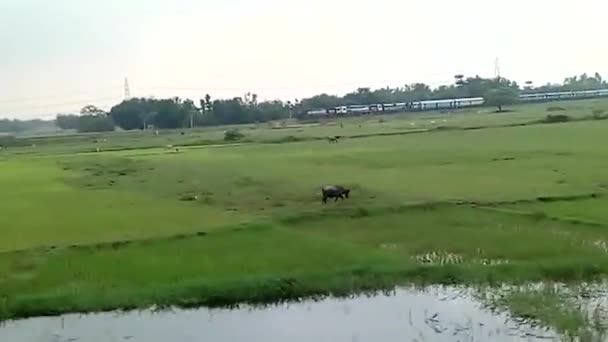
{"x": 139, "y": 224}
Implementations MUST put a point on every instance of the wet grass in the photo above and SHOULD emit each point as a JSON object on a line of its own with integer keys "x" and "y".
{"x": 557, "y": 306}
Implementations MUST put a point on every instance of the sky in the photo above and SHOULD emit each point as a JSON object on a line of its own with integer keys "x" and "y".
{"x": 58, "y": 56}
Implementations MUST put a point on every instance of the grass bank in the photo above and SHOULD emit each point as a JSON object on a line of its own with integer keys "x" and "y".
{"x": 265, "y": 263}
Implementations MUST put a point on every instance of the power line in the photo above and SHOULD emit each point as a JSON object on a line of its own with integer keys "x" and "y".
{"x": 299, "y": 87}
{"x": 62, "y": 104}
{"x": 60, "y": 95}
{"x": 448, "y": 79}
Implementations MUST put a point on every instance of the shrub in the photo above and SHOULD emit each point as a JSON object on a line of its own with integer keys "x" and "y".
{"x": 555, "y": 109}
{"x": 556, "y": 118}
{"x": 12, "y": 141}
{"x": 233, "y": 135}
{"x": 598, "y": 114}
{"x": 286, "y": 139}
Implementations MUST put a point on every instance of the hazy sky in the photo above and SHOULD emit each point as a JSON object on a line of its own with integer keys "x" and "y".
{"x": 59, "y": 55}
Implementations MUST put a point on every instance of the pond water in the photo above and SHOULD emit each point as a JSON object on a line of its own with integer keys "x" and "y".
{"x": 432, "y": 314}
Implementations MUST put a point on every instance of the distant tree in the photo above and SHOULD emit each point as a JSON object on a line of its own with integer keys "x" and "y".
{"x": 459, "y": 80}
{"x": 232, "y": 111}
{"x": 95, "y": 123}
{"x": 384, "y": 95}
{"x": 171, "y": 113}
{"x": 208, "y": 103}
{"x": 147, "y": 119}
{"x": 321, "y": 101}
{"x": 91, "y": 110}
{"x": 274, "y": 110}
{"x": 132, "y": 113}
{"x": 19, "y": 126}
{"x": 598, "y": 77}
{"x": 500, "y": 97}
{"x": 93, "y": 119}
{"x": 67, "y": 121}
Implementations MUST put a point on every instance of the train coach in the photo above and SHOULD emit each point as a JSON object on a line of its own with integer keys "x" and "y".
{"x": 451, "y": 103}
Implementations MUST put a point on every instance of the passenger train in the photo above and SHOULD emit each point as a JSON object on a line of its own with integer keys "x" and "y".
{"x": 451, "y": 103}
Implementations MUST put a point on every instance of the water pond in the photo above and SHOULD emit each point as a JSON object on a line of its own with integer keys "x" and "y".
{"x": 432, "y": 314}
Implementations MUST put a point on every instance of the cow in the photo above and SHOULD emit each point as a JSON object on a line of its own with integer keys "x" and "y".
{"x": 333, "y": 139}
{"x": 334, "y": 191}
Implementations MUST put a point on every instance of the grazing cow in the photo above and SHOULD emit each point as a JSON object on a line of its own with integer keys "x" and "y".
{"x": 334, "y": 191}
{"x": 333, "y": 139}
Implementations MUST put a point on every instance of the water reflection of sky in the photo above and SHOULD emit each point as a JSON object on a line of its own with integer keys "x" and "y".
{"x": 432, "y": 315}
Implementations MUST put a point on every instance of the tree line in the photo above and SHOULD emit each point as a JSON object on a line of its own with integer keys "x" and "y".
{"x": 142, "y": 113}
{"x": 14, "y": 126}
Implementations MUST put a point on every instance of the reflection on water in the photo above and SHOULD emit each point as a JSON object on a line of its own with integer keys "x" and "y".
{"x": 434, "y": 314}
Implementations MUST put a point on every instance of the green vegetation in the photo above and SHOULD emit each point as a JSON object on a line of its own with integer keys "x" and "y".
{"x": 500, "y": 97}
{"x": 559, "y": 307}
{"x": 177, "y": 113}
{"x": 478, "y": 199}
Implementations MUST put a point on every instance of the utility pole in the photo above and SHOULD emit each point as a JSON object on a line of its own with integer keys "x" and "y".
{"x": 497, "y": 69}
{"x": 127, "y": 90}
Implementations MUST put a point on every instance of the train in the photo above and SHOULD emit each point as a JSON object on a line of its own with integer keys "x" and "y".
{"x": 450, "y": 104}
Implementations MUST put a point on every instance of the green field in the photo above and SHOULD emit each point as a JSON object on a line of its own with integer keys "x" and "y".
{"x": 139, "y": 224}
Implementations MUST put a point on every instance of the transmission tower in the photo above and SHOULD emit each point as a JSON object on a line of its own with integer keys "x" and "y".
{"x": 127, "y": 89}
{"x": 496, "y": 69}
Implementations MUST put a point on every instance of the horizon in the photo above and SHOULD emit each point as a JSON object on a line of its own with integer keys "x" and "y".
{"x": 80, "y": 53}
{"x": 51, "y": 117}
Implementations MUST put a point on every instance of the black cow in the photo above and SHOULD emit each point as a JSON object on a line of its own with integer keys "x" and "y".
{"x": 333, "y": 139}
{"x": 334, "y": 191}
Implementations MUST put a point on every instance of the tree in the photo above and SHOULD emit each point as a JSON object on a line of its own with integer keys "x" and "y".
{"x": 171, "y": 113}
{"x": 95, "y": 123}
{"x": 321, "y": 101}
{"x": 132, "y": 113}
{"x": 459, "y": 80}
{"x": 208, "y": 102}
{"x": 18, "y": 126}
{"x": 93, "y": 119}
{"x": 147, "y": 118}
{"x": 500, "y": 97}
{"x": 67, "y": 121}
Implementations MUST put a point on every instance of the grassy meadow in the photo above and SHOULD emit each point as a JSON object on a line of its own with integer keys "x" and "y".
{"x": 484, "y": 199}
